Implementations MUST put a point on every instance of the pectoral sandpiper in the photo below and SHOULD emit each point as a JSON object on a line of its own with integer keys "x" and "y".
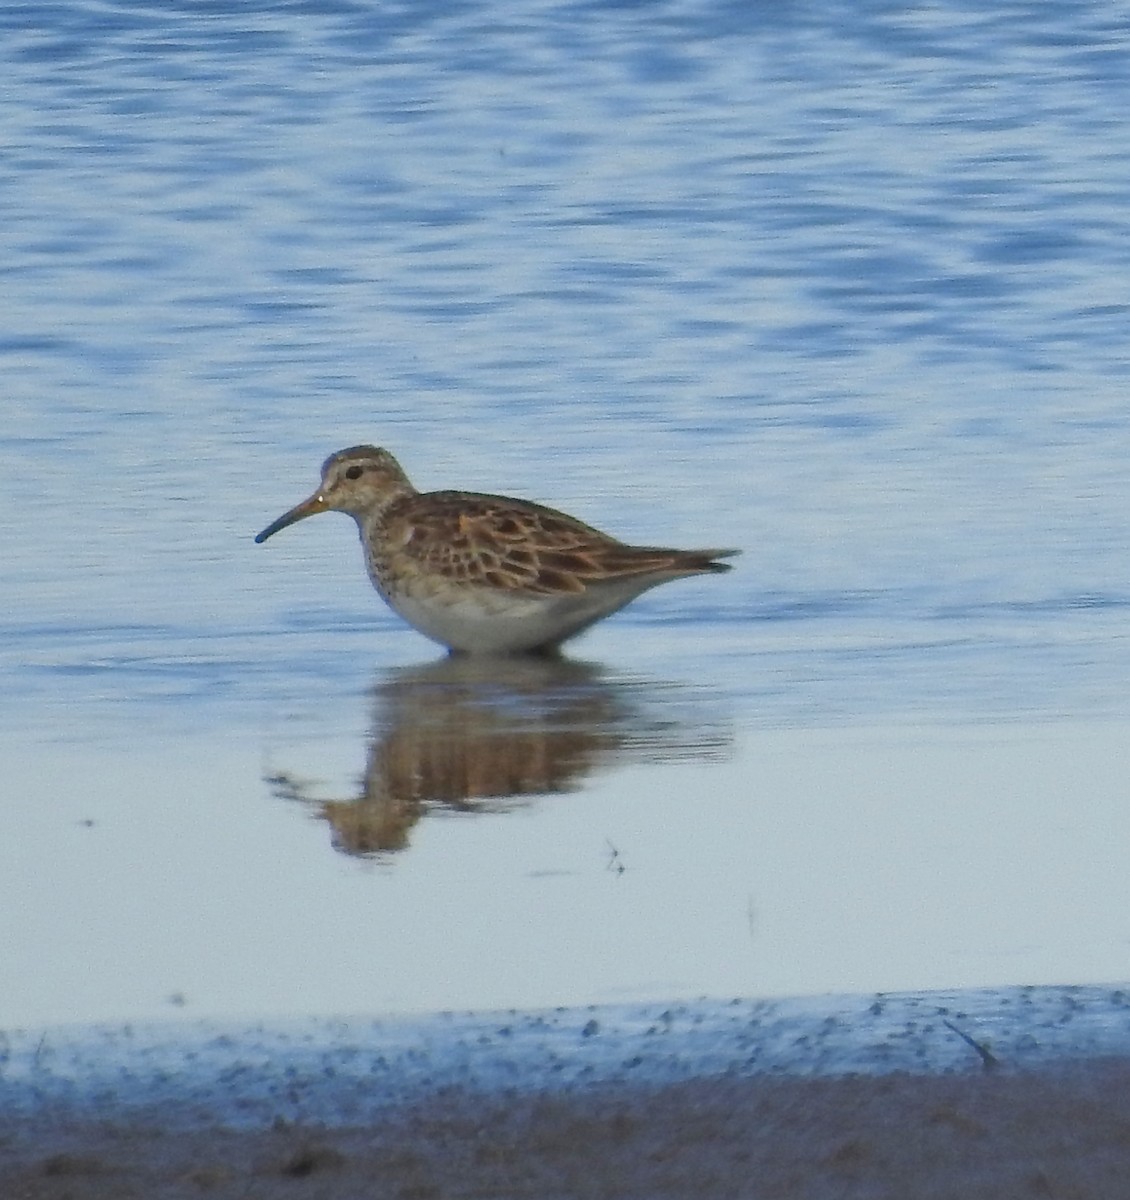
{"x": 486, "y": 574}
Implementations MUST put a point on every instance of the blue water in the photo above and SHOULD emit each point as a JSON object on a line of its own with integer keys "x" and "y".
{"x": 846, "y": 285}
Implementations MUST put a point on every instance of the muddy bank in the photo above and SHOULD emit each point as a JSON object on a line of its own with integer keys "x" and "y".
{"x": 1059, "y": 1132}
{"x": 1017, "y": 1093}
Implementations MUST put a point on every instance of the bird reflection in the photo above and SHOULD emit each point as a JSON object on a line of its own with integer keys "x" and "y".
{"x": 470, "y": 734}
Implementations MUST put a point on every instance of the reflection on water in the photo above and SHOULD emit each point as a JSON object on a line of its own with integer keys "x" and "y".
{"x": 480, "y": 735}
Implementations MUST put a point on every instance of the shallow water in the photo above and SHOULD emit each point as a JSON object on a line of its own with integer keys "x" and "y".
{"x": 843, "y": 285}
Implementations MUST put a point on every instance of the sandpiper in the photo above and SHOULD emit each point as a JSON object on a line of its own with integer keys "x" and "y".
{"x": 486, "y": 574}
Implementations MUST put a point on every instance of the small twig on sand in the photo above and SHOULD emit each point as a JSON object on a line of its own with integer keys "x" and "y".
{"x": 988, "y": 1059}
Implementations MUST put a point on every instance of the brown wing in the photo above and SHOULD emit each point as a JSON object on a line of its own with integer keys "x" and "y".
{"x": 523, "y": 546}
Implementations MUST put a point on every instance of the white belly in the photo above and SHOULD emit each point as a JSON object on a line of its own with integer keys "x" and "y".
{"x": 484, "y": 621}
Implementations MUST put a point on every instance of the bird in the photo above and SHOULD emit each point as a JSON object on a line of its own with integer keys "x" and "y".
{"x": 482, "y": 574}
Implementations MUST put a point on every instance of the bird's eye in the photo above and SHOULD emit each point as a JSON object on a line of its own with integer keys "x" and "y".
{"x": 354, "y": 472}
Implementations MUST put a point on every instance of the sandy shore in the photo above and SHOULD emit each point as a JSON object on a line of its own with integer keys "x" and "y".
{"x": 1053, "y": 1133}
{"x": 567, "y": 1105}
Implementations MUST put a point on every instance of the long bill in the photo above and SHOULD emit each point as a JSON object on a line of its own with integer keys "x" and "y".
{"x": 315, "y": 504}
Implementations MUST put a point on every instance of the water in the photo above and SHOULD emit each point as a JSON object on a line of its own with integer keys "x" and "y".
{"x": 843, "y": 285}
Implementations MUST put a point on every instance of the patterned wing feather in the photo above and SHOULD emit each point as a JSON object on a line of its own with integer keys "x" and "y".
{"x": 519, "y": 545}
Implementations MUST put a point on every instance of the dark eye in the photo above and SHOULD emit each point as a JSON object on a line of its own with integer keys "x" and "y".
{"x": 354, "y": 472}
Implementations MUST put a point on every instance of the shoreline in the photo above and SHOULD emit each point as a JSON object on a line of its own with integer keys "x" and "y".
{"x": 1021, "y": 1092}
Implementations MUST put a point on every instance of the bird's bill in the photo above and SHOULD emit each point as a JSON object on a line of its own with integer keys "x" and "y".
{"x": 315, "y": 504}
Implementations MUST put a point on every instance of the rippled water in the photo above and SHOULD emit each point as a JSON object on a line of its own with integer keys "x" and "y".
{"x": 844, "y": 285}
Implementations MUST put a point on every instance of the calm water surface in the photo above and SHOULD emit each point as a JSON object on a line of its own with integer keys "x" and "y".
{"x": 845, "y": 285}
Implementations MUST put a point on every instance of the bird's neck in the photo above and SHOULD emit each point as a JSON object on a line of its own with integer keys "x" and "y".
{"x": 371, "y": 520}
